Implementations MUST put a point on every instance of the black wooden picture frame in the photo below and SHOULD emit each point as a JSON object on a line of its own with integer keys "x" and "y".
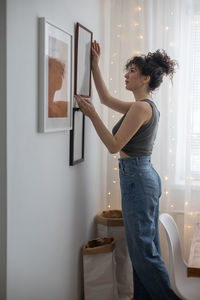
{"x": 83, "y": 61}
{"x": 77, "y": 137}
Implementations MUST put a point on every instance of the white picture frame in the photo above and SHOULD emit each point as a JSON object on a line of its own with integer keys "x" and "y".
{"x": 55, "y": 78}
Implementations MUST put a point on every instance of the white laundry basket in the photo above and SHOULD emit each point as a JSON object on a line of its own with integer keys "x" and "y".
{"x": 110, "y": 224}
{"x": 99, "y": 268}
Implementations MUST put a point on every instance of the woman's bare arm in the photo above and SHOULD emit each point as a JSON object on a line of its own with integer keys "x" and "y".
{"x": 105, "y": 97}
{"x": 135, "y": 118}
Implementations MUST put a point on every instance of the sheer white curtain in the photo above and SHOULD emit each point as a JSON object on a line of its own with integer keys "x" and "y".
{"x": 140, "y": 26}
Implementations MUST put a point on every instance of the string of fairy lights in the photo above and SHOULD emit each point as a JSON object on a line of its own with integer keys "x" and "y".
{"x": 114, "y": 179}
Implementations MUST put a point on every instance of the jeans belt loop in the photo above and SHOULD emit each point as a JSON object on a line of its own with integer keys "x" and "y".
{"x": 122, "y": 165}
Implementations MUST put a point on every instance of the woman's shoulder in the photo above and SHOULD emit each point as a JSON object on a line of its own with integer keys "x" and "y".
{"x": 141, "y": 107}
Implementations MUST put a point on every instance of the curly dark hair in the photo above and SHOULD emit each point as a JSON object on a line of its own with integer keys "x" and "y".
{"x": 156, "y": 64}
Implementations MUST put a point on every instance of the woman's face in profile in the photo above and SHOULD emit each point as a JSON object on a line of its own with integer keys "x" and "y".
{"x": 133, "y": 78}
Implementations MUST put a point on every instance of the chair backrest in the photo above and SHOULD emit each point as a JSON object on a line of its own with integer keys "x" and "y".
{"x": 177, "y": 267}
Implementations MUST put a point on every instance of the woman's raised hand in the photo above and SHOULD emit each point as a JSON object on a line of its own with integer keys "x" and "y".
{"x": 95, "y": 53}
{"x": 85, "y": 106}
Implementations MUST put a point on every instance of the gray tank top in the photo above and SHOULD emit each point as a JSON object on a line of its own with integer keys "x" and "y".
{"x": 141, "y": 144}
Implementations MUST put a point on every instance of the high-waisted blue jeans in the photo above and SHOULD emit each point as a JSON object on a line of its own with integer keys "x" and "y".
{"x": 141, "y": 190}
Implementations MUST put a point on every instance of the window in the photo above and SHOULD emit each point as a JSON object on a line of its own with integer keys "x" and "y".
{"x": 195, "y": 96}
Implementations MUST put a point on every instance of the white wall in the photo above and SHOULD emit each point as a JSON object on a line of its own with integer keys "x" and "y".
{"x": 3, "y": 178}
{"x": 51, "y": 206}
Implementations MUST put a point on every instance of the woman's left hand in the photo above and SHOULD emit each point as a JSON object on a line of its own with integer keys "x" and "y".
{"x": 85, "y": 106}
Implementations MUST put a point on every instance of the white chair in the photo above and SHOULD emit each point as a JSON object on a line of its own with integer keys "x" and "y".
{"x": 187, "y": 288}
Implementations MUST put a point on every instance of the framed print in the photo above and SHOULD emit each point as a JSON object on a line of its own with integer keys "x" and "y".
{"x": 83, "y": 59}
{"x": 55, "y": 78}
{"x": 77, "y": 135}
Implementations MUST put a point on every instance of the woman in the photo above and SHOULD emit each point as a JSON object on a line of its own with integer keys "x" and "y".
{"x": 134, "y": 136}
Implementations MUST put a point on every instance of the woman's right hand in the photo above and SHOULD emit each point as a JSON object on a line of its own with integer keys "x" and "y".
{"x": 95, "y": 53}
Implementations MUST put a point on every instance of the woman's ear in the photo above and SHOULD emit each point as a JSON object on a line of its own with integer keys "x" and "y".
{"x": 147, "y": 78}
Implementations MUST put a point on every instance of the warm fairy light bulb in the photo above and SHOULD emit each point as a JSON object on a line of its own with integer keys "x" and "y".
{"x": 114, "y": 181}
{"x": 140, "y": 37}
{"x": 113, "y": 116}
{"x": 170, "y": 150}
{"x": 137, "y": 52}
{"x": 166, "y": 192}
{"x": 166, "y": 178}
{"x": 109, "y": 193}
{"x": 136, "y": 24}
{"x": 115, "y": 169}
{"x": 109, "y": 206}
{"x": 186, "y": 203}
{"x": 166, "y": 27}
{"x": 188, "y": 226}
{"x": 115, "y": 156}
{"x": 110, "y": 79}
{"x": 138, "y": 8}
{"x": 171, "y": 205}
{"x": 190, "y": 177}
{"x": 119, "y": 25}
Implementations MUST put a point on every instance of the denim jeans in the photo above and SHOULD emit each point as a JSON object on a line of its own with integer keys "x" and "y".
{"x": 141, "y": 189}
